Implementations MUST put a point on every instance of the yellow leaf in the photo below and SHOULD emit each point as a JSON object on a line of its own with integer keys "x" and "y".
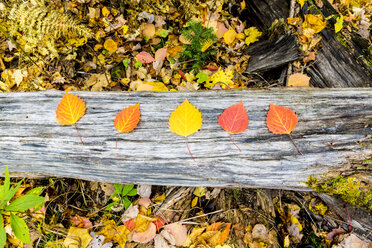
{"x": 293, "y": 20}
{"x": 338, "y": 24}
{"x": 301, "y": 2}
{"x": 252, "y": 34}
{"x": 77, "y": 238}
{"x": 115, "y": 233}
{"x": 185, "y": 119}
{"x": 110, "y": 45}
{"x": 298, "y": 79}
{"x": 313, "y": 24}
{"x": 229, "y": 36}
{"x": 200, "y": 191}
{"x": 125, "y": 29}
{"x": 222, "y": 77}
{"x": 105, "y": 12}
{"x": 194, "y": 201}
{"x": 159, "y": 198}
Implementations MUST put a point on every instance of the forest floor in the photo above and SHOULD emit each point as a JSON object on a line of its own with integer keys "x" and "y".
{"x": 147, "y": 45}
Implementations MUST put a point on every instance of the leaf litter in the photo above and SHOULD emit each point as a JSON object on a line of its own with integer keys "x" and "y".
{"x": 140, "y": 46}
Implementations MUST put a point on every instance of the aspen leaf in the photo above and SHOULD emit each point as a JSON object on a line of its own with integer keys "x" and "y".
{"x": 145, "y": 57}
{"x": 149, "y": 30}
{"x": 145, "y": 236}
{"x": 281, "y": 120}
{"x": 70, "y": 110}
{"x": 110, "y": 45}
{"x": 339, "y": 23}
{"x": 221, "y": 30}
{"x": 229, "y": 36}
{"x": 161, "y": 53}
{"x": 185, "y": 120}
{"x": 127, "y": 119}
{"x": 178, "y": 231}
{"x": 234, "y": 120}
{"x": 115, "y": 233}
{"x": 298, "y": 79}
{"x": 77, "y": 237}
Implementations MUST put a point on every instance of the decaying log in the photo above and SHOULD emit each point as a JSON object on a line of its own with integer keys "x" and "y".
{"x": 267, "y": 55}
{"x": 332, "y": 125}
{"x": 335, "y": 64}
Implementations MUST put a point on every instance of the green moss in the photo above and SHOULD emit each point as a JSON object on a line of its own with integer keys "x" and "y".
{"x": 348, "y": 188}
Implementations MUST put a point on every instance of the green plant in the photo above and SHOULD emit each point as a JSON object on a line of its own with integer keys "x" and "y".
{"x": 19, "y": 205}
{"x": 199, "y": 50}
{"x": 121, "y": 194}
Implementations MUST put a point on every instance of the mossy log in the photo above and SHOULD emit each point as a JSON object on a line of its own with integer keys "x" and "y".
{"x": 334, "y": 125}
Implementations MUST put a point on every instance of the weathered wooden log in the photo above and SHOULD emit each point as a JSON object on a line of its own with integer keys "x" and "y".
{"x": 268, "y": 55}
{"x": 332, "y": 124}
{"x": 335, "y": 65}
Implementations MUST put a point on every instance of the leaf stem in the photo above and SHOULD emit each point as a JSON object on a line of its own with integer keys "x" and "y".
{"x": 116, "y": 145}
{"x": 290, "y": 136}
{"x": 187, "y": 144}
{"x": 78, "y": 134}
{"x": 233, "y": 141}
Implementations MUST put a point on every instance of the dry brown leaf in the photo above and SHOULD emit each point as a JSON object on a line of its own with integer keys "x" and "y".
{"x": 299, "y": 80}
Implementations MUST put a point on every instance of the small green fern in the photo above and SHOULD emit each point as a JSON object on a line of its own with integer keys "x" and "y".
{"x": 198, "y": 50}
{"x": 38, "y": 28}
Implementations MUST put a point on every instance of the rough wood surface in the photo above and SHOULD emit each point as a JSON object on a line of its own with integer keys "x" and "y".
{"x": 332, "y": 125}
{"x": 336, "y": 65}
{"x": 267, "y": 55}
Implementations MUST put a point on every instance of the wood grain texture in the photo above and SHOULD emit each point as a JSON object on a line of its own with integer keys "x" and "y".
{"x": 332, "y": 123}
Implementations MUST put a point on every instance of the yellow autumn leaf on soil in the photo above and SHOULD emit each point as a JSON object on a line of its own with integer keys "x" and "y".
{"x": 229, "y": 36}
{"x": 105, "y": 11}
{"x": 110, "y": 45}
{"x": 313, "y": 24}
{"x": 77, "y": 238}
{"x": 252, "y": 34}
{"x": 299, "y": 79}
{"x": 222, "y": 77}
{"x": 159, "y": 198}
{"x": 194, "y": 201}
{"x": 200, "y": 191}
{"x": 301, "y": 2}
{"x": 115, "y": 233}
{"x": 185, "y": 119}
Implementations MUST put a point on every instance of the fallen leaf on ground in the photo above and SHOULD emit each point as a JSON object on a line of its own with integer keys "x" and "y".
{"x": 229, "y": 36}
{"x": 145, "y": 236}
{"x": 110, "y": 45}
{"x": 299, "y": 80}
{"x": 145, "y": 57}
{"x": 149, "y": 30}
{"x": 178, "y": 231}
{"x": 114, "y": 233}
{"x": 77, "y": 237}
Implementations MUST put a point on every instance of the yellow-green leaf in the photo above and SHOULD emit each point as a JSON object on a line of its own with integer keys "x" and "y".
{"x": 339, "y": 23}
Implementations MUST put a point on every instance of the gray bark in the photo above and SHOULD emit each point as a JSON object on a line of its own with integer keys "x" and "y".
{"x": 332, "y": 125}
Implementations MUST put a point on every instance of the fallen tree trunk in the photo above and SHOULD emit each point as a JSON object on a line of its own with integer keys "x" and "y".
{"x": 336, "y": 66}
{"x": 332, "y": 126}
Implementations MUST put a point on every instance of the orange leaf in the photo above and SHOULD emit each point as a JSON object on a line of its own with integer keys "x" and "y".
{"x": 234, "y": 120}
{"x": 70, "y": 110}
{"x": 127, "y": 119}
{"x": 281, "y": 120}
{"x": 223, "y": 227}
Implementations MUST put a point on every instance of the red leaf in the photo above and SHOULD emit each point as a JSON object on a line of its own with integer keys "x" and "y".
{"x": 182, "y": 74}
{"x": 159, "y": 222}
{"x": 145, "y": 57}
{"x": 281, "y": 120}
{"x": 130, "y": 224}
{"x": 234, "y": 120}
